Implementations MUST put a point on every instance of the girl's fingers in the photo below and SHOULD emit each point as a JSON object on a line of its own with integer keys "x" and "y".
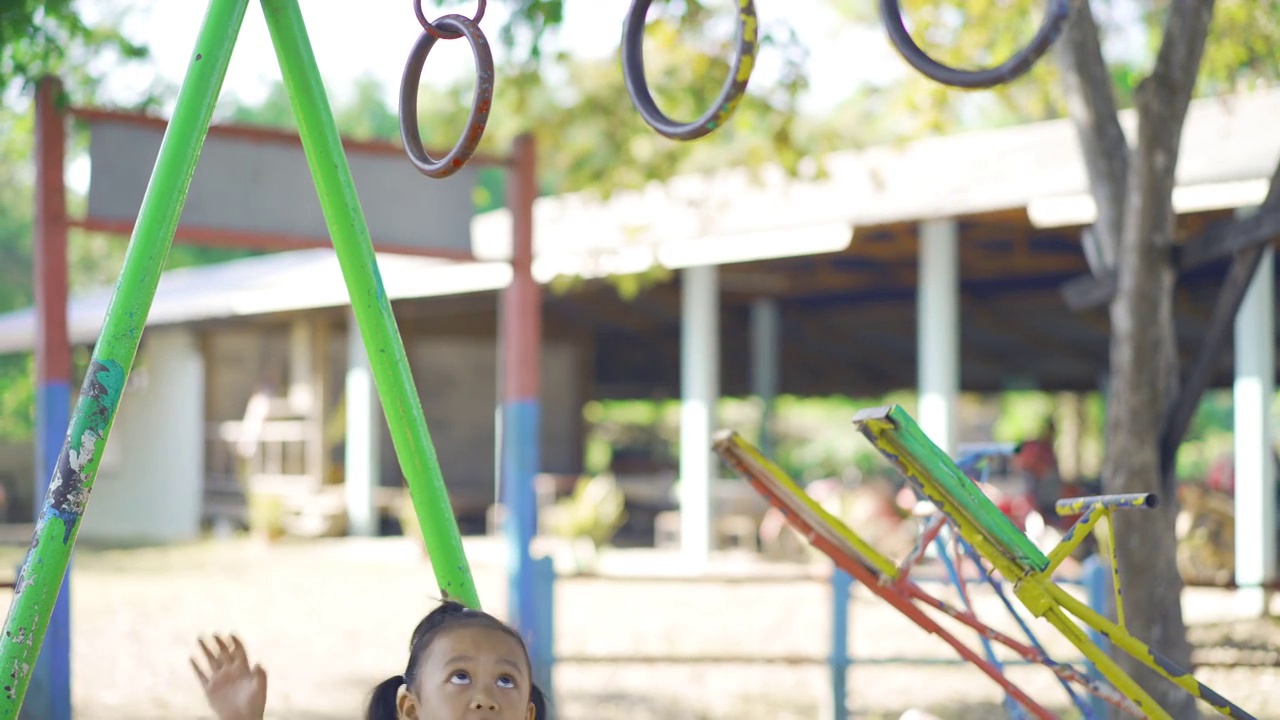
{"x": 260, "y": 676}
{"x": 224, "y": 650}
{"x": 238, "y": 652}
{"x": 208, "y": 655}
{"x": 204, "y": 679}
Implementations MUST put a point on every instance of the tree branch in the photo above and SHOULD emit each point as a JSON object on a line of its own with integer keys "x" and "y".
{"x": 1178, "y": 63}
{"x": 1091, "y": 103}
{"x": 1217, "y": 337}
{"x": 1241, "y": 234}
{"x": 1217, "y": 241}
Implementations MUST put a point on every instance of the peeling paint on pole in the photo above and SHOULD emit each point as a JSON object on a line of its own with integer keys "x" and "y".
{"x": 78, "y": 464}
{"x": 64, "y": 507}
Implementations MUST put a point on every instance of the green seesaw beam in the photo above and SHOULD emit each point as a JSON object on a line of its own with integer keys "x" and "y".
{"x": 46, "y": 563}
{"x": 936, "y": 475}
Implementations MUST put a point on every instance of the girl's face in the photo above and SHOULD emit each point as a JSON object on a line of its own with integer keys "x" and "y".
{"x": 470, "y": 673}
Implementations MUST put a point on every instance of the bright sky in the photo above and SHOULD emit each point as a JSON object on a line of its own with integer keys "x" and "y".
{"x": 375, "y": 41}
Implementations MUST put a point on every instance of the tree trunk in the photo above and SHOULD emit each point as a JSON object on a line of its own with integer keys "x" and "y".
{"x": 1143, "y": 371}
{"x": 1135, "y": 225}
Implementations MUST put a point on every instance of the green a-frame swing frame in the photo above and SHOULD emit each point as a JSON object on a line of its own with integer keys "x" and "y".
{"x": 45, "y": 566}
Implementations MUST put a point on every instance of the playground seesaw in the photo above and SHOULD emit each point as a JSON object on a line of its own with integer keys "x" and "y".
{"x": 893, "y": 583}
{"x": 975, "y": 518}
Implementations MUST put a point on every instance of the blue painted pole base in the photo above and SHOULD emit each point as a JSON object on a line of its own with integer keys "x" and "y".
{"x": 49, "y": 695}
{"x": 530, "y": 582}
{"x": 841, "y": 586}
{"x": 542, "y": 652}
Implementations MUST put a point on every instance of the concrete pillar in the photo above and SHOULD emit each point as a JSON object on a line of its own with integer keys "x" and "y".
{"x": 1255, "y": 477}
{"x": 938, "y": 330}
{"x": 301, "y": 384}
{"x": 699, "y": 389}
{"x": 317, "y": 368}
{"x": 362, "y": 471}
{"x": 766, "y": 349}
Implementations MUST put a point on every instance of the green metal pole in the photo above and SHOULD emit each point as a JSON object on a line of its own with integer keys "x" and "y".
{"x": 387, "y": 359}
{"x": 46, "y": 563}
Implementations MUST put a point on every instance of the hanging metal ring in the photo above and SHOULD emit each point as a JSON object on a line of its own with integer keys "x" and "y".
{"x": 734, "y": 87}
{"x": 481, "y": 102}
{"x": 436, "y": 32}
{"x": 1055, "y": 21}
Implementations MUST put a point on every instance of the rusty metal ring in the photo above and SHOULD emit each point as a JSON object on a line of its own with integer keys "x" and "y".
{"x": 735, "y": 85}
{"x": 1055, "y": 20}
{"x": 436, "y": 32}
{"x": 481, "y": 102}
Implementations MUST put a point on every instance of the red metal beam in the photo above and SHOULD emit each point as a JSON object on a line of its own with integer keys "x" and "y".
{"x": 53, "y": 351}
{"x": 522, "y": 301}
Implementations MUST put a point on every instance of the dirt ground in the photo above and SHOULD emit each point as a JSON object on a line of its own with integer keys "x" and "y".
{"x": 330, "y": 619}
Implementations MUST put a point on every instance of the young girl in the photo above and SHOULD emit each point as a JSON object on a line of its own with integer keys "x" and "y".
{"x": 462, "y": 663}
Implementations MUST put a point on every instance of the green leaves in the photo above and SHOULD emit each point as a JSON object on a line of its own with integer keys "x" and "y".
{"x": 1241, "y": 50}
{"x": 39, "y": 37}
{"x": 18, "y": 399}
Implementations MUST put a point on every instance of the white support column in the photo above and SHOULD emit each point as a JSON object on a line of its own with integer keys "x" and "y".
{"x": 300, "y": 380}
{"x": 363, "y": 457}
{"x": 938, "y": 330}
{"x": 699, "y": 389}
{"x": 1255, "y": 477}
{"x": 317, "y": 460}
{"x": 766, "y": 349}
{"x": 495, "y": 525}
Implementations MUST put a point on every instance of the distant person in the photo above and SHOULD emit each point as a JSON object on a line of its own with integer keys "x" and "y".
{"x": 1038, "y": 461}
{"x": 461, "y": 662}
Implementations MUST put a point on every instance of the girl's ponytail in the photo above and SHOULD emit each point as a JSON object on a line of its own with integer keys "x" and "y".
{"x": 539, "y": 703}
{"x": 382, "y": 704}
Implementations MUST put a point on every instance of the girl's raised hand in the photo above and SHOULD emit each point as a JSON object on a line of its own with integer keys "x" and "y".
{"x": 234, "y": 689}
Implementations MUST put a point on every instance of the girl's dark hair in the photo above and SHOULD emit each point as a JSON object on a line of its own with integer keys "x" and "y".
{"x": 382, "y": 704}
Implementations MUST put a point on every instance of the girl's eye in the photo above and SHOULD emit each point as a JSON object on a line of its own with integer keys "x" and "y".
{"x": 506, "y": 681}
{"x": 460, "y": 678}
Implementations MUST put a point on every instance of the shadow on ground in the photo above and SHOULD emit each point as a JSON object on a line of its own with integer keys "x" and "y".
{"x": 1244, "y": 642}
{"x": 637, "y": 707}
{"x": 953, "y": 711}
{"x": 621, "y": 704}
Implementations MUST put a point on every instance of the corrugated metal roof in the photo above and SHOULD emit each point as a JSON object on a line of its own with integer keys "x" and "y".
{"x": 1225, "y": 140}
{"x": 280, "y": 282}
